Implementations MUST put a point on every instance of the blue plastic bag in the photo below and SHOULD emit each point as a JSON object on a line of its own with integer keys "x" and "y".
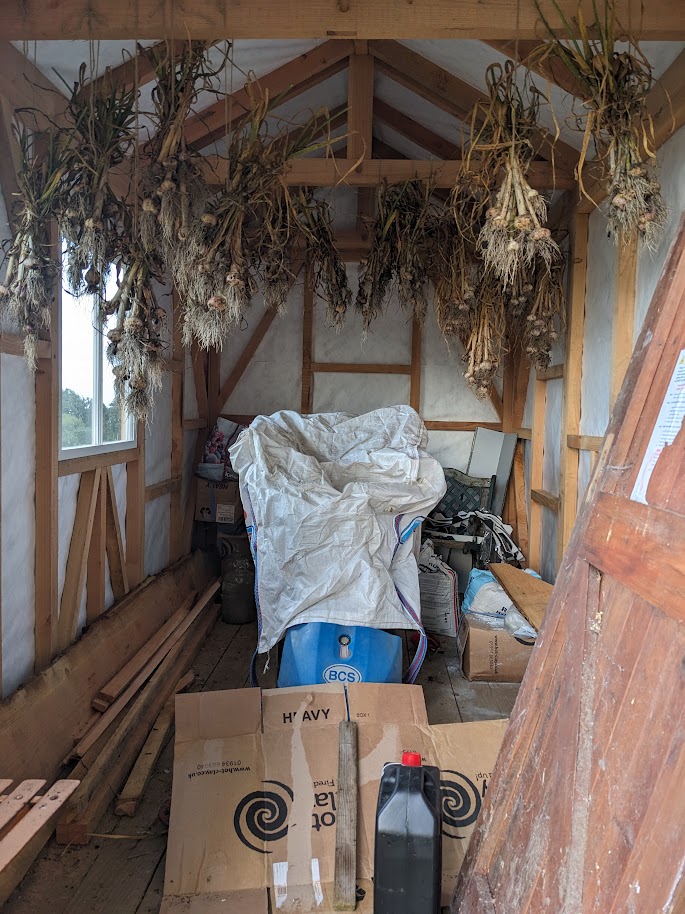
{"x": 477, "y": 579}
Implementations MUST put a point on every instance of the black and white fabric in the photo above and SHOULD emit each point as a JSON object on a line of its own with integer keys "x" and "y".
{"x": 497, "y": 545}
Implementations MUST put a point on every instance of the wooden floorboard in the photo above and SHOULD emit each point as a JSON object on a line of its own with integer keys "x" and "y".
{"x": 124, "y": 872}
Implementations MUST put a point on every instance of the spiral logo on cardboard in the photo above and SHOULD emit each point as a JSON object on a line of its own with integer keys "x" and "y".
{"x": 461, "y": 802}
{"x": 263, "y": 815}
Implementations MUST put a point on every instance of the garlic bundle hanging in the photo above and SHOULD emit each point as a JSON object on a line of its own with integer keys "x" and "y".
{"x": 514, "y": 237}
{"x": 92, "y": 214}
{"x": 483, "y": 349}
{"x": 28, "y": 289}
{"x": 545, "y": 311}
{"x": 135, "y": 348}
{"x": 614, "y": 84}
{"x": 454, "y": 272}
{"x": 398, "y": 258}
{"x": 175, "y": 193}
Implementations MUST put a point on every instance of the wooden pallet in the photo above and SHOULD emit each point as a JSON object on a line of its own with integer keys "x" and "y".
{"x": 27, "y": 819}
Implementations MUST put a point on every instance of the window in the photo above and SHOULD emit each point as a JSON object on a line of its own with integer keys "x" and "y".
{"x": 91, "y": 421}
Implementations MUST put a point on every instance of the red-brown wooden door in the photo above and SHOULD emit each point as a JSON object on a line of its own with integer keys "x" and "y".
{"x": 586, "y": 808}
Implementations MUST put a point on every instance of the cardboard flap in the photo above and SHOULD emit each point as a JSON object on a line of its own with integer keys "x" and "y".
{"x": 300, "y": 706}
{"x": 387, "y": 703}
{"x": 218, "y": 715}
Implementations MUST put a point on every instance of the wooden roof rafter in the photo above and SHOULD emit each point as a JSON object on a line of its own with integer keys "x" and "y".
{"x": 452, "y": 94}
{"x": 285, "y": 82}
{"x": 552, "y": 69}
{"x": 412, "y": 130}
{"x": 136, "y": 69}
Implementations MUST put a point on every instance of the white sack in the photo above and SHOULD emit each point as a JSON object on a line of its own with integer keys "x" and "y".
{"x": 331, "y": 503}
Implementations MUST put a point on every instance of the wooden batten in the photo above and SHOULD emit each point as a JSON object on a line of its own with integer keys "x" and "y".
{"x": 105, "y": 777}
{"x": 359, "y": 368}
{"x": 77, "y": 561}
{"x": 113, "y": 689}
{"x": 95, "y": 583}
{"x": 118, "y": 573}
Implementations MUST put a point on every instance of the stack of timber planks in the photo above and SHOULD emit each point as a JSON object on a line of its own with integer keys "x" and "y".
{"x": 27, "y": 819}
{"x": 133, "y": 715}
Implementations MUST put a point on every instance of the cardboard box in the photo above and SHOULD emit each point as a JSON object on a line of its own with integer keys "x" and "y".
{"x": 253, "y": 808}
{"x": 218, "y": 502}
{"x": 491, "y": 655}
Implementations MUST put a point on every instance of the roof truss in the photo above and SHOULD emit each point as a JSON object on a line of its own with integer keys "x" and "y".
{"x": 442, "y": 88}
{"x": 283, "y": 83}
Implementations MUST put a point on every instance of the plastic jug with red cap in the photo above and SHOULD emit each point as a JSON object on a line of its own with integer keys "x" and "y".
{"x": 408, "y": 853}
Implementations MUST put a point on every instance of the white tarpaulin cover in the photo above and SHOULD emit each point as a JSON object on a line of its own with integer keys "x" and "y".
{"x": 332, "y": 501}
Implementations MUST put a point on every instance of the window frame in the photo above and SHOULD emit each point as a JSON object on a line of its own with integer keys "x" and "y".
{"x": 99, "y": 364}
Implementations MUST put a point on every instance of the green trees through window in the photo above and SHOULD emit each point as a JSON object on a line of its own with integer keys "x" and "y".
{"x": 77, "y": 420}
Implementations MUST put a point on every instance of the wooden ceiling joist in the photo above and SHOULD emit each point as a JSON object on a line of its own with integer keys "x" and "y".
{"x": 283, "y": 83}
{"x": 330, "y": 172}
{"x": 453, "y": 95}
{"x": 30, "y": 20}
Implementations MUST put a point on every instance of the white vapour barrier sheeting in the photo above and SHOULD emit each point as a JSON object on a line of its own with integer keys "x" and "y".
{"x": 157, "y": 534}
{"x": 158, "y": 436}
{"x": 599, "y": 295}
{"x": 17, "y": 438}
{"x": 272, "y": 380}
{"x": 331, "y": 503}
{"x": 650, "y": 264}
{"x": 450, "y": 449}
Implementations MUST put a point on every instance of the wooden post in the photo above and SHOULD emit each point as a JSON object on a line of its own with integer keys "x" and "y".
{"x": 215, "y": 397}
{"x": 135, "y": 512}
{"x": 537, "y": 454}
{"x": 177, "y": 381}
{"x": 345, "y": 887}
{"x": 307, "y": 397}
{"x": 415, "y": 377}
{"x": 199, "y": 360}
{"x": 47, "y": 456}
{"x": 573, "y": 367}
{"x": 623, "y": 320}
{"x": 359, "y": 126}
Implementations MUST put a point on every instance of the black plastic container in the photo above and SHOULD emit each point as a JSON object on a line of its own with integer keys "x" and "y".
{"x": 408, "y": 855}
{"x": 237, "y": 590}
